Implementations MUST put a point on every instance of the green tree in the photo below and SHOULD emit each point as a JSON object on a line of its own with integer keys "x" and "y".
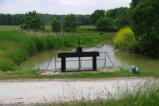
{"x": 70, "y": 23}
{"x": 119, "y": 16}
{"x": 145, "y": 24}
{"x": 32, "y": 21}
{"x": 17, "y": 19}
{"x": 56, "y": 25}
{"x": 134, "y": 3}
{"x": 104, "y": 24}
{"x": 83, "y": 19}
{"x": 6, "y": 19}
{"x": 97, "y": 15}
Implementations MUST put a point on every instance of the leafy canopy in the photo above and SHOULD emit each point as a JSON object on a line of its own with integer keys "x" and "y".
{"x": 104, "y": 24}
{"x": 145, "y": 24}
{"x": 56, "y": 25}
{"x": 70, "y": 23}
{"x": 119, "y": 16}
{"x": 97, "y": 15}
{"x": 32, "y": 21}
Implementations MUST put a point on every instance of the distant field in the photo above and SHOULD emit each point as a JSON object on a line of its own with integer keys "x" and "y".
{"x": 87, "y": 28}
{"x": 17, "y": 27}
{"x": 9, "y": 27}
{"x": 13, "y": 27}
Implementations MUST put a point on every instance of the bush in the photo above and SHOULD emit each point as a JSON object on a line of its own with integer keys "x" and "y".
{"x": 125, "y": 39}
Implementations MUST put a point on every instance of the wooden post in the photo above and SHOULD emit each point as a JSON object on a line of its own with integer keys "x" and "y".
{"x": 79, "y": 64}
{"x": 94, "y": 63}
{"x": 63, "y": 64}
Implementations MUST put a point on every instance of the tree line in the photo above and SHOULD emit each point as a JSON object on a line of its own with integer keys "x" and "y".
{"x": 112, "y": 19}
{"x": 16, "y": 19}
{"x": 32, "y": 21}
{"x": 8, "y": 19}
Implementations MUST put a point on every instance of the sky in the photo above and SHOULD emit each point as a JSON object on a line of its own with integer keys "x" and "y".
{"x": 59, "y": 6}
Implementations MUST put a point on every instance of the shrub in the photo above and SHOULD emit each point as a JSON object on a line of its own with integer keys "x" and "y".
{"x": 125, "y": 39}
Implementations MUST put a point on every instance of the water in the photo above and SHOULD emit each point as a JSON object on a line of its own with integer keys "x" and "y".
{"x": 124, "y": 60}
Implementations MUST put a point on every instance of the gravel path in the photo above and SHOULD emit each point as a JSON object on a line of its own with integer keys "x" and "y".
{"x": 43, "y": 91}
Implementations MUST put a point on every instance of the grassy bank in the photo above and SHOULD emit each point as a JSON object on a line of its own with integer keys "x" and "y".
{"x": 17, "y": 46}
{"x": 34, "y": 74}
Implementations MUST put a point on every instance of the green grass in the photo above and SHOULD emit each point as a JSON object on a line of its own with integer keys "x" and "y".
{"x": 34, "y": 74}
{"x": 17, "y": 46}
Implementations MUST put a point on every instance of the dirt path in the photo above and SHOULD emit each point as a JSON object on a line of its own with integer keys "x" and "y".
{"x": 27, "y": 92}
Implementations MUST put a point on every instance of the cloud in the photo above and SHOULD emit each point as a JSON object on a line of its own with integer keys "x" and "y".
{"x": 77, "y": 2}
{"x": 1, "y": 1}
{"x": 59, "y": 6}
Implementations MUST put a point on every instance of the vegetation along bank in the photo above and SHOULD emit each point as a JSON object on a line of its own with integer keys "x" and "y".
{"x": 18, "y": 46}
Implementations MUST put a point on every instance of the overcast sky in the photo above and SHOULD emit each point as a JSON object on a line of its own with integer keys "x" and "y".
{"x": 60, "y": 6}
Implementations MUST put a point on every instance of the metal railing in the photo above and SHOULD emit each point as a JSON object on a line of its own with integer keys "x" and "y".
{"x": 105, "y": 59}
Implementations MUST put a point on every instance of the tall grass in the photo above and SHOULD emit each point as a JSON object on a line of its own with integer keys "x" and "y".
{"x": 146, "y": 95}
{"x": 17, "y": 46}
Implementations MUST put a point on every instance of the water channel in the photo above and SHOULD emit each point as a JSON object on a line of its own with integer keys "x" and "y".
{"x": 124, "y": 60}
